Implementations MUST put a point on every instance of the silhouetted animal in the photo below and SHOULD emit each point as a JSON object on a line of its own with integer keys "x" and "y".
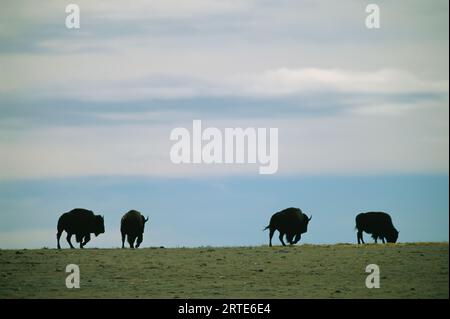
{"x": 132, "y": 225}
{"x": 81, "y": 223}
{"x": 378, "y": 224}
{"x": 290, "y": 222}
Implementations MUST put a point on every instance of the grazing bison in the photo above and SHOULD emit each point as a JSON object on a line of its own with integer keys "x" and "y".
{"x": 81, "y": 223}
{"x": 378, "y": 224}
{"x": 290, "y": 222}
{"x": 132, "y": 225}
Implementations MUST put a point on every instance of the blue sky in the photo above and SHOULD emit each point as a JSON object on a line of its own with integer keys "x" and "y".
{"x": 225, "y": 211}
{"x": 86, "y": 115}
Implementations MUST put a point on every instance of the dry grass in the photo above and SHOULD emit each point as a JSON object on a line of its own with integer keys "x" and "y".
{"x": 416, "y": 270}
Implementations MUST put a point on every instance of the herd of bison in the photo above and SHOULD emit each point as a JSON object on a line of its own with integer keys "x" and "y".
{"x": 290, "y": 222}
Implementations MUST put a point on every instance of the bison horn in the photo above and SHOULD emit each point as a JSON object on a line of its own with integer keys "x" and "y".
{"x": 146, "y": 219}
{"x": 310, "y": 218}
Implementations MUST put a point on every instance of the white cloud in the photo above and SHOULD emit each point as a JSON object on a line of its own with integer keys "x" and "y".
{"x": 412, "y": 141}
{"x": 141, "y": 9}
{"x": 278, "y": 45}
{"x": 271, "y": 83}
{"x": 393, "y": 109}
{"x": 291, "y": 81}
{"x": 117, "y": 10}
{"x": 227, "y": 49}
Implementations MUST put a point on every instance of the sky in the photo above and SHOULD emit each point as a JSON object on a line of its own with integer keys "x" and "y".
{"x": 86, "y": 115}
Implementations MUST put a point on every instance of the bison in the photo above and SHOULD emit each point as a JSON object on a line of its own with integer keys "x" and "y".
{"x": 132, "y": 225}
{"x": 290, "y": 222}
{"x": 378, "y": 224}
{"x": 81, "y": 223}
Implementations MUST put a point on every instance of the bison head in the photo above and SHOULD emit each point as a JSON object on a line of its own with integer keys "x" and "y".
{"x": 99, "y": 225}
{"x": 392, "y": 236}
{"x": 306, "y": 220}
{"x": 144, "y": 220}
{"x": 140, "y": 236}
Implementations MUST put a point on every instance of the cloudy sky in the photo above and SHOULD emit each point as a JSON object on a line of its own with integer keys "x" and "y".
{"x": 86, "y": 115}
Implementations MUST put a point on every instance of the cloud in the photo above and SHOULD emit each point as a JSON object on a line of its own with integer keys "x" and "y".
{"x": 412, "y": 140}
{"x": 280, "y": 82}
{"x": 103, "y": 100}
{"x": 213, "y": 41}
{"x": 296, "y": 81}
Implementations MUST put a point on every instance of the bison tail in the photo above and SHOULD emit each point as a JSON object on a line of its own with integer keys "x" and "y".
{"x": 60, "y": 226}
{"x": 267, "y": 227}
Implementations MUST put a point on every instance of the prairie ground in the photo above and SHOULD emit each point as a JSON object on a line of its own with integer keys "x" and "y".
{"x": 416, "y": 270}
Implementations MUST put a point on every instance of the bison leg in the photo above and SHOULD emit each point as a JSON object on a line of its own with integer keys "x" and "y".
{"x": 86, "y": 238}
{"x": 58, "y": 236}
{"x": 360, "y": 237}
{"x": 297, "y": 238}
{"x": 139, "y": 241}
{"x": 281, "y": 238}
{"x": 382, "y": 239}
{"x": 69, "y": 236}
{"x": 131, "y": 240}
{"x": 272, "y": 231}
{"x": 123, "y": 240}
{"x": 290, "y": 238}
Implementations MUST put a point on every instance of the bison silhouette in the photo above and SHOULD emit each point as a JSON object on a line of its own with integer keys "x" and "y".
{"x": 81, "y": 223}
{"x": 378, "y": 224}
{"x": 290, "y": 222}
{"x": 132, "y": 226}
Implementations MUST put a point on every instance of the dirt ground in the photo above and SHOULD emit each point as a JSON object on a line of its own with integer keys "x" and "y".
{"x": 416, "y": 270}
